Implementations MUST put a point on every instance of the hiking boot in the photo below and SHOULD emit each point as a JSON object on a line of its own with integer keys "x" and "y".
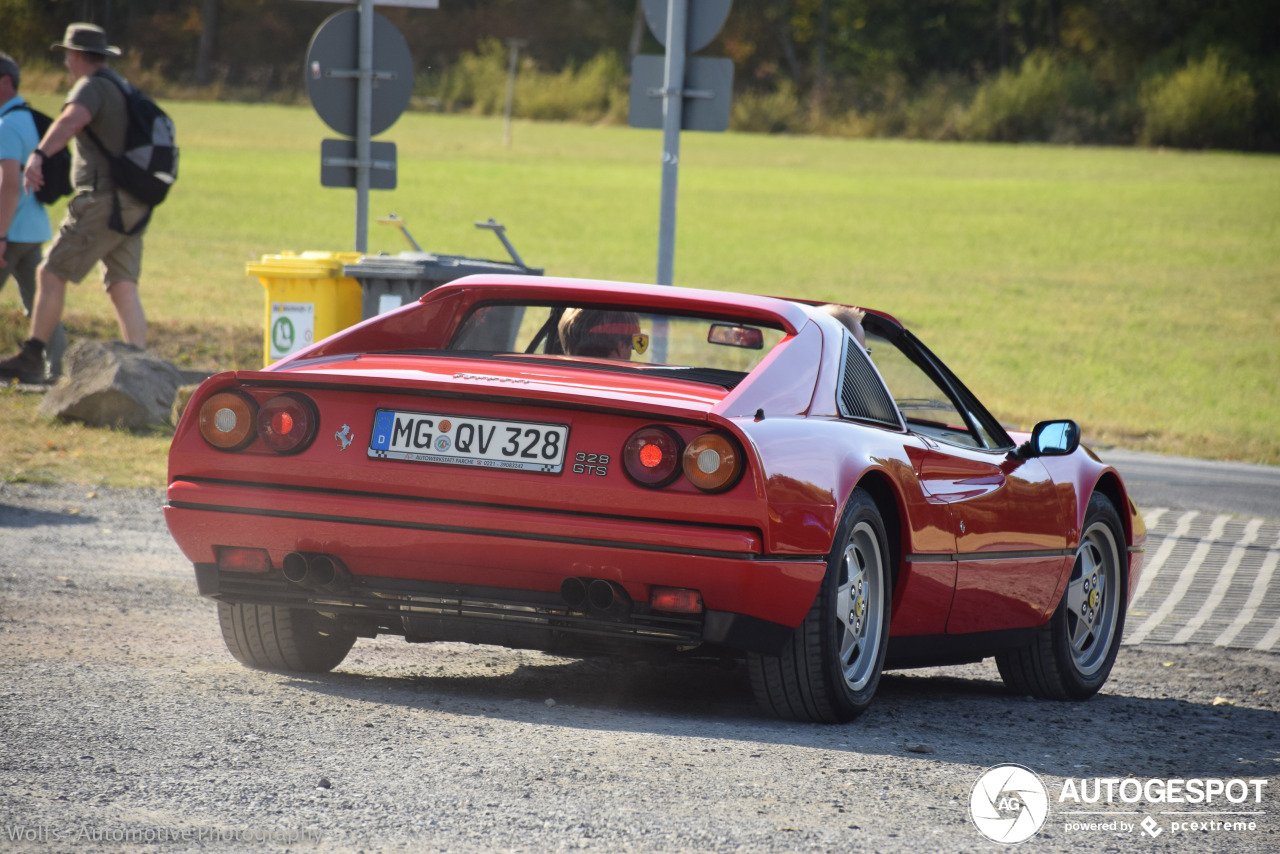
{"x": 27, "y": 366}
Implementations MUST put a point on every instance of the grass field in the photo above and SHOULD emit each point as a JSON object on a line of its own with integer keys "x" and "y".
{"x": 1135, "y": 290}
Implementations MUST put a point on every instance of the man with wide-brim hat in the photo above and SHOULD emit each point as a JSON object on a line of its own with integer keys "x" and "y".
{"x": 96, "y": 115}
{"x": 89, "y": 38}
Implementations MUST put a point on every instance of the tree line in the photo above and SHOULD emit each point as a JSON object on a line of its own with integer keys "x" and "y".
{"x": 1192, "y": 73}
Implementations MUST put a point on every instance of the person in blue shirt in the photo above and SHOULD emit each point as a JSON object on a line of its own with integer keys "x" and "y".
{"x": 24, "y": 223}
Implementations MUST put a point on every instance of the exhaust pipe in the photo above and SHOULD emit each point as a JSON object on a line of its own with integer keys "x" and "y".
{"x": 323, "y": 570}
{"x": 295, "y": 567}
{"x": 608, "y": 598}
{"x": 574, "y": 593}
{"x": 317, "y": 571}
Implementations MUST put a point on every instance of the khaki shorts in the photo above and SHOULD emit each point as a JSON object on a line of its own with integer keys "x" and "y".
{"x": 85, "y": 238}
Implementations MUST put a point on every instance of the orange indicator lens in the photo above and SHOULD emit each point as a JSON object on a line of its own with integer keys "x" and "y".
{"x": 712, "y": 462}
{"x": 227, "y": 420}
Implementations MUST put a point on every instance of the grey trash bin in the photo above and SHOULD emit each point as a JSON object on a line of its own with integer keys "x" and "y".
{"x": 390, "y": 281}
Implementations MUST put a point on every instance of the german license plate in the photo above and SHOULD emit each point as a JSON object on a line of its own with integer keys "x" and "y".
{"x": 461, "y": 440}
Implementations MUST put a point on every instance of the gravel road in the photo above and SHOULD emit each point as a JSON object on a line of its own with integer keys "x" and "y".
{"x": 125, "y": 726}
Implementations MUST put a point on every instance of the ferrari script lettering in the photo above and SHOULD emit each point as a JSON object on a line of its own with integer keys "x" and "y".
{"x": 487, "y": 378}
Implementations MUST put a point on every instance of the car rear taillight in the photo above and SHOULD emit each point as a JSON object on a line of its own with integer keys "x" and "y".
{"x": 651, "y": 456}
{"x": 287, "y": 423}
{"x": 227, "y": 420}
{"x": 712, "y": 462}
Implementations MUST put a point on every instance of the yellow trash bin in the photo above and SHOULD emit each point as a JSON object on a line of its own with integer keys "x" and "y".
{"x": 308, "y": 299}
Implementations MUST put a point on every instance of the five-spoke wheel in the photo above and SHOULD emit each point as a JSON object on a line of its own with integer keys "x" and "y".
{"x": 859, "y": 609}
{"x": 1093, "y": 606}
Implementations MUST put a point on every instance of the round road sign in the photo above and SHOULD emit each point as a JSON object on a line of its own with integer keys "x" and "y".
{"x": 333, "y": 60}
{"x": 704, "y": 20}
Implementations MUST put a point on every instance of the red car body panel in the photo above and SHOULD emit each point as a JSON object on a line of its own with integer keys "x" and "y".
{"x": 984, "y": 541}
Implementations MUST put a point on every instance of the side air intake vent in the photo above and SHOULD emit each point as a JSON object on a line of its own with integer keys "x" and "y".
{"x": 862, "y": 395}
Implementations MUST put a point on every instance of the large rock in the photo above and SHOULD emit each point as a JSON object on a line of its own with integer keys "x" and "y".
{"x": 113, "y": 384}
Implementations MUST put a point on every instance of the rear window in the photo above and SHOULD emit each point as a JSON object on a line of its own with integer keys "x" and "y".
{"x": 715, "y": 349}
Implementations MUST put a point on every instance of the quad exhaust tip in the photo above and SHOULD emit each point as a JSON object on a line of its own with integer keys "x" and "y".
{"x": 314, "y": 570}
{"x": 596, "y": 596}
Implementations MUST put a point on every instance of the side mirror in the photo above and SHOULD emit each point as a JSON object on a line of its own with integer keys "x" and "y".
{"x": 1051, "y": 439}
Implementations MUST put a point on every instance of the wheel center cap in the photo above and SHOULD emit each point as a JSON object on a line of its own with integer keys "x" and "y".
{"x": 1094, "y": 598}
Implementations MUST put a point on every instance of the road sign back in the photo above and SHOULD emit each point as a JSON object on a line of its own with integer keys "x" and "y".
{"x": 708, "y": 93}
{"x": 705, "y": 18}
{"x": 333, "y": 62}
{"x": 338, "y": 164}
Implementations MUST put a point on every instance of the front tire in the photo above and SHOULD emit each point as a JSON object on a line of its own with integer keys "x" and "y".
{"x": 271, "y": 638}
{"x": 829, "y": 669}
{"x": 1073, "y": 654}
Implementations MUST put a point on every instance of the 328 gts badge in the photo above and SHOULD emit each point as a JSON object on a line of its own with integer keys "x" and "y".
{"x": 597, "y": 464}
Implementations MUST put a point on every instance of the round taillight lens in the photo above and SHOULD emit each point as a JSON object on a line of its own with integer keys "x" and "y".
{"x": 712, "y": 462}
{"x": 288, "y": 423}
{"x": 227, "y": 420}
{"x": 651, "y": 456}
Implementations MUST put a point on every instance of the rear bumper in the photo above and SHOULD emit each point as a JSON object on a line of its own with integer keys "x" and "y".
{"x": 397, "y": 547}
{"x": 425, "y": 611}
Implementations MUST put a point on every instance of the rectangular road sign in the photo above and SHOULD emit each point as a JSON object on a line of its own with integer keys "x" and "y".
{"x": 338, "y": 164}
{"x": 708, "y": 93}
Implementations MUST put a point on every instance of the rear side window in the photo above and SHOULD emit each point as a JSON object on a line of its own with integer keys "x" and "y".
{"x": 862, "y": 395}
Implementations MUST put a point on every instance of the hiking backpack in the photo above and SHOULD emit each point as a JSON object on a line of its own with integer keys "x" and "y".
{"x": 148, "y": 166}
{"x": 56, "y": 168}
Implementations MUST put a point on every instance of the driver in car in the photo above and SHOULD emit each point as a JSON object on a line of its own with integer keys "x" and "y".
{"x": 601, "y": 333}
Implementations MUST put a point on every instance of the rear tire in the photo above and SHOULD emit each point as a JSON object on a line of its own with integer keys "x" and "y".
{"x": 1073, "y": 653}
{"x": 271, "y": 638}
{"x": 829, "y": 669}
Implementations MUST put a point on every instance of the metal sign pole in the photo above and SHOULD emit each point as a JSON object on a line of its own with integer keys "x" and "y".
{"x": 672, "y": 117}
{"x": 364, "y": 120}
{"x": 514, "y": 45}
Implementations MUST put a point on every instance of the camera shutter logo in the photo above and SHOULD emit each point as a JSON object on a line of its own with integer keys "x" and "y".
{"x": 1009, "y": 804}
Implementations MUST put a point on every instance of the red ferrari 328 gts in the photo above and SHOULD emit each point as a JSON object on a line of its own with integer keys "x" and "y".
{"x": 595, "y": 468}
